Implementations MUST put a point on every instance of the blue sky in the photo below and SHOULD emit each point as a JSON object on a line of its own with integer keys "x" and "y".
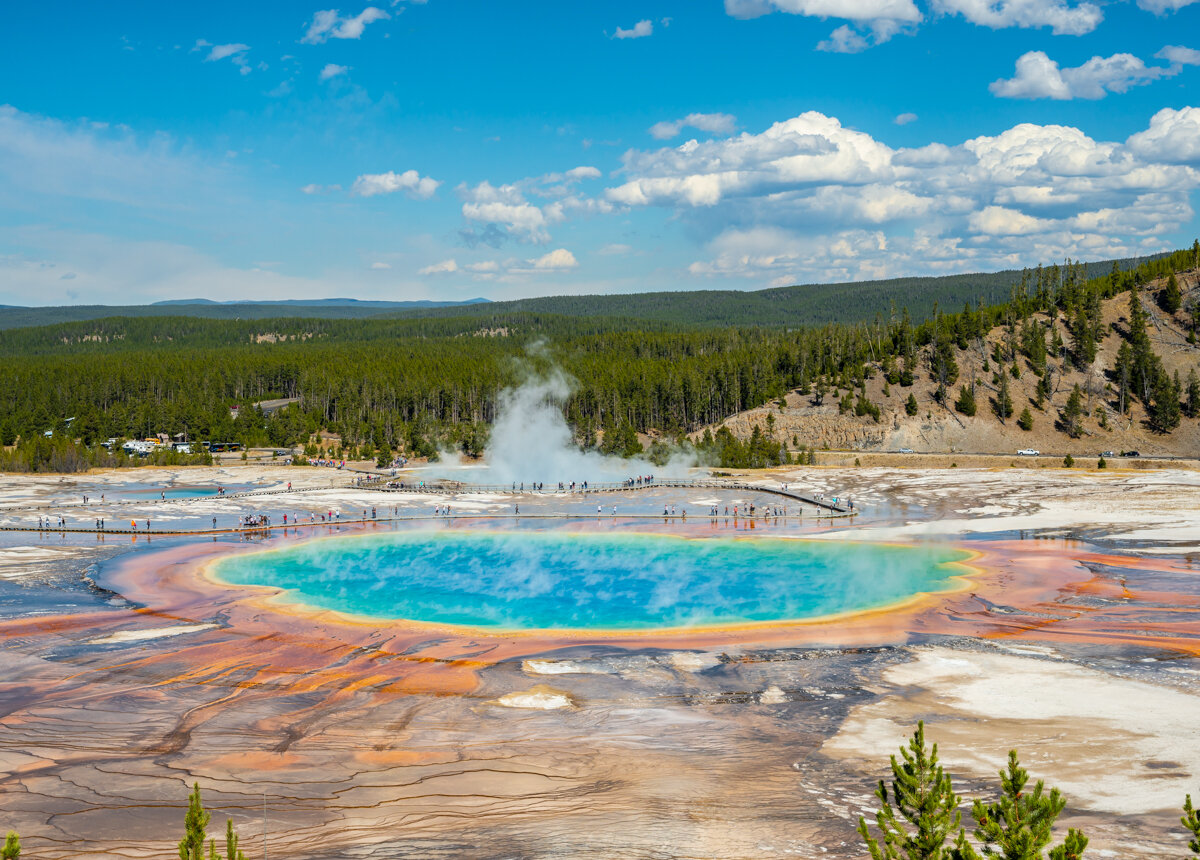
{"x": 448, "y": 149}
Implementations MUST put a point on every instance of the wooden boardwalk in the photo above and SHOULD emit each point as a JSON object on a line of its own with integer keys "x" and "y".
{"x": 835, "y": 507}
{"x": 456, "y": 487}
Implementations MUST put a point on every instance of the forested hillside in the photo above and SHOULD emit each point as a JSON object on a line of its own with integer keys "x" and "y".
{"x": 812, "y": 304}
{"x": 385, "y": 385}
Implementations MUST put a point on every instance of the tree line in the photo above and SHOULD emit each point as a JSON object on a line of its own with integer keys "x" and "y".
{"x": 417, "y": 385}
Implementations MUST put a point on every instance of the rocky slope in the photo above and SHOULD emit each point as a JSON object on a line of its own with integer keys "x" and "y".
{"x": 939, "y": 428}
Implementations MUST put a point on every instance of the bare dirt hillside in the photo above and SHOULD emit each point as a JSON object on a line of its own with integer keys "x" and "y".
{"x": 939, "y": 428}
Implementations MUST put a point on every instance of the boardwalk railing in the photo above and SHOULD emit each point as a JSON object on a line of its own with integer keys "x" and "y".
{"x": 387, "y": 484}
{"x": 396, "y": 485}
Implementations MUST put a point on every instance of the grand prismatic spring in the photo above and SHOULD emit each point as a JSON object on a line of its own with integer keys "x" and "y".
{"x": 399, "y": 681}
{"x": 585, "y": 581}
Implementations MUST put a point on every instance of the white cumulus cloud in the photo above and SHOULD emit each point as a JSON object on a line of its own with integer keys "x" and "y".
{"x": 523, "y": 221}
{"x": 503, "y": 212}
{"x": 1039, "y": 77}
{"x": 410, "y": 182}
{"x": 808, "y": 198}
{"x": 1173, "y": 137}
{"x": 557, "y": 260}
{"x": 329, "y": 24}
{"x": 446, "y": 267}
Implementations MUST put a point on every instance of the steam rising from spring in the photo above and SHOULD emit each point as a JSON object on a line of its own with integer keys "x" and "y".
{"x": 531, "y": 440}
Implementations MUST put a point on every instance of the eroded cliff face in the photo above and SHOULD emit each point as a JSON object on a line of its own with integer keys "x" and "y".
{"x": 815, "y": 429}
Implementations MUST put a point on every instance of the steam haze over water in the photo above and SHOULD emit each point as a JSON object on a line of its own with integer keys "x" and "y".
{"x": 543, "y": 580}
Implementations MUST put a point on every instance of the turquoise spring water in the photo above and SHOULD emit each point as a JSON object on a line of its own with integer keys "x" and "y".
{"x": 549, "y": 580}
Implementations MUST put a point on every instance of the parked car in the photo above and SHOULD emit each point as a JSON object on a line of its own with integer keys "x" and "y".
{"x": 1029, "y": 452}
{"x": 905, "y": 451}
{"x": 1107, "y": 454}
{"x": 1130, "y": 454}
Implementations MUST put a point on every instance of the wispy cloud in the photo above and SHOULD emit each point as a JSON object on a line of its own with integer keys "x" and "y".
{"x": 329, "y": 24}
{"x": 1062, "y": 16}
{"x": 234, "y": 51}
{"x": 1161, "y": 7}
{"x": 640, "y": 30}
{"x": 879, "y": 19}
{"x": 717, "y": 123}
{"x": 332, "y": 70}
{"x": 557, "y": 261}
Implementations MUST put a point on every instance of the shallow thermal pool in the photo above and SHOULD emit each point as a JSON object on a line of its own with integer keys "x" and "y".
{"x": 554, "y": 580}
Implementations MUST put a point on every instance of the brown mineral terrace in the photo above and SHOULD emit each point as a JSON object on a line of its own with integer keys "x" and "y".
{"x": 370, "y": 738}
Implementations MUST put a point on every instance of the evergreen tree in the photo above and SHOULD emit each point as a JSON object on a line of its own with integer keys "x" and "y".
{"x": 1164, "y": 407}
{"x": 1002, "y": 404}
{"x": 910, "y": 405}
{"x": 191, "y": 846}
{"x": 921, "y": 811}
{"x": 1033, "y": 344}
{"x": 1171, "y": 298}
{"x": 1192, "y": 408}
{"x": 1071, "y": 417}
{"x": 232, "y": 852}
{"x": 1123, "y": 372}
{"x": 966, "y": 400}
{"x": 12, "y": 845}
{"x": 821, "y": 390}
{"x": 1018, "y": 826}
{"x": 1191, "y": 820}
{"x": 1042, "y": 392}
{"x": 1083, "y": 339}
{"x": 1025, "y": 421}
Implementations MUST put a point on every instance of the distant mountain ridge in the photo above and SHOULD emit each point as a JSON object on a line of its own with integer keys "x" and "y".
{"x": 315, "y": 303}
{"x": 802, "y": 305}
{"x": 21, "y": 317}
